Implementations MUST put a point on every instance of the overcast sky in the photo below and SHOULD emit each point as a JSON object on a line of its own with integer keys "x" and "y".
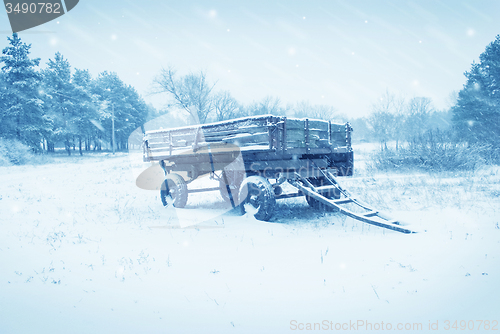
{"x": 342, "y": 53}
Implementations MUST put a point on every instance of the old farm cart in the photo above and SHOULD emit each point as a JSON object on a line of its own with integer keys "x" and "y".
{"x": 253, "y": 157}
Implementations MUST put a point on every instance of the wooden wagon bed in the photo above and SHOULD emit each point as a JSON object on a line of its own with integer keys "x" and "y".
{"x": 245, "y": 154}
{"x": 267, "y": 142}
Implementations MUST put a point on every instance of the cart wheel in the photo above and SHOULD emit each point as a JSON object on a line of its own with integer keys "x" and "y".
{"x": 234, "y": 179}
{"x": 330, "y": 194}
{"x": 174, "y": 191}
{"x": 258, "y": 192}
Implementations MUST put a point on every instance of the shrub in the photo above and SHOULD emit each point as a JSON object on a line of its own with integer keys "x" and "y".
{"x": 435, "y": 151}
{"x": 13, "y": 152}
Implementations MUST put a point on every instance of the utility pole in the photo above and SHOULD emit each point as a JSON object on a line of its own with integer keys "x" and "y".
{"x": 113, "y": 125}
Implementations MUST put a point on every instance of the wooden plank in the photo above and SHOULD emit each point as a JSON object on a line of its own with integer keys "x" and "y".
{"x": 294, "y": 135}
{"x": 297, "y": 134}
{"x": 174, "y": 134}
{"x": 393, "y": 222}
{"x": 370, "y": 214}
{"x": 170, "y": 143}
{"x": 248, "y": 138}
{"x": 301, "y": 150}
{"x": 337, "y": 127}
{"x": 323, "y": 143}
{"x": 342, "y": 201}
{"x": 306, "y": 135}
{"x": 284, "y": 165}
{"x": 185, "y": 139}
{"x": 299, "y": 144}
{"x": 323, "y": 188}
{"x": 319, "y": 125}
{"x": 338, "y": 139}
{"x": 338, "y": 132}
{"x": 164, "y": 145}
{"x": 221, "y": 126}
{"x": 329, "y": 132}
{"x": 285, "y": 134}
{"x": 190, "y": 191}
{"x": 226, "y": 133}
{"x": 297, "y": 123}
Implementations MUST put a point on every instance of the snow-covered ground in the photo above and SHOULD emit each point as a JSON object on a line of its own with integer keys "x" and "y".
{"x": 84, "y": 250}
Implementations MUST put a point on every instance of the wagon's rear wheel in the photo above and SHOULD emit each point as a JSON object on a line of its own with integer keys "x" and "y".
{"x": 174, "y": 191}
{"x": 330, "y": 194}
{"x": 257, "y": 194}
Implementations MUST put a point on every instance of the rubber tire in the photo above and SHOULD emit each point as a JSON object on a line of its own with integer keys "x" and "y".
{"x": 174, "y": 188}
{"x": 332, "y": 194}
{"x": 257, "y": 191}
{"x": 235, "y": 179}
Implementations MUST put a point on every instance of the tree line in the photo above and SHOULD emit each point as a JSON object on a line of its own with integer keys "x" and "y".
{"x": 196, "y": 98}
{"x": 473, "y": 120}
{"x": 57, "y": 105}
{"x": 400, "y": 120}
{"x": 391, "y": 119}
{"x": 463, "y": 137}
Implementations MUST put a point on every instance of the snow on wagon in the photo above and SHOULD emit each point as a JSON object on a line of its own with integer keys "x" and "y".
{"x": 253, "y": 157}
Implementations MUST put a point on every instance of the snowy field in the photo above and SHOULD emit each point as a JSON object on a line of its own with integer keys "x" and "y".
{"x": 84, "y": 250}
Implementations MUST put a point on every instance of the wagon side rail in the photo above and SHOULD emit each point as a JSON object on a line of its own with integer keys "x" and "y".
{"x": 274, "y": 133}
{"x": 257, "y": 132}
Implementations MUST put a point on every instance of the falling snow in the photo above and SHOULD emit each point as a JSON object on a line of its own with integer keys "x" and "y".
{"x": 84, "y": 250}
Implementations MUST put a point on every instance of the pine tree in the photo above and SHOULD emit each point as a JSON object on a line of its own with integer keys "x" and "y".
{"x": 476, "y": 114}
{"x": 121, "y": 102}
{"x": 5, "y": 127}
{"x": 60, "y": 102}
{"x": 22, "y": 116}
{"x": 85, "y": 108}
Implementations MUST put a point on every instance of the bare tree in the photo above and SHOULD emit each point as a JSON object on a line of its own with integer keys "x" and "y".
{"x": 398, "y": 127}
{"x": 382, "y": 119}
{"x": 225, "y": 106}
{"x": 388, "y": 119}
{"x": 394, "y": 119}
{"x": 191, "y": 93}
{"x": 304, "y": 109}
{"x": 381, "y": 122}
{"x": 419, "y": 110}
{"x": 268, "y": 105}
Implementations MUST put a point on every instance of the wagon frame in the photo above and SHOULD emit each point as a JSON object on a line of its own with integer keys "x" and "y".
{"x": 245, "y": 154}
